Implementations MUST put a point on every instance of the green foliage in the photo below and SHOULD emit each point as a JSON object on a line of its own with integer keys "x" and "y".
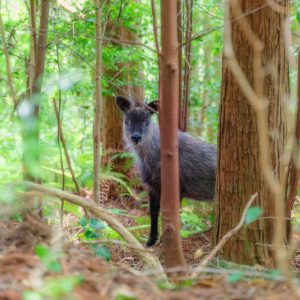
{"x": 122, "y": 296}
{"x": 192, "y": 223}
{"x": 48, "y": 258}
{"x": 93, "y": 230}
{"x": 59, "y": 288}
{"x": 238, "y": 272}
{"x": 196, "y": 217}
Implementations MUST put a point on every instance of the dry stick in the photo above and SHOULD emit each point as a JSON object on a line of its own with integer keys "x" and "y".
{"x": 150, "y": 260}
{"x": 187, "y": 64}
{"x": 12, "y": 90}
{"x": 58, "y": 118}
{"x": 181, "y": 125}
{"x": 158, "y": 51}
{"x": 62, "y": 139}
{"x": 259, "y": 104}
{"x": 224, "y": 239}
{"x": 97, "y": 118}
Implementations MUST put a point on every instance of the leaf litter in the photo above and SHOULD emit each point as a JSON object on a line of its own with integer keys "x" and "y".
{"x": 83, "y": 275}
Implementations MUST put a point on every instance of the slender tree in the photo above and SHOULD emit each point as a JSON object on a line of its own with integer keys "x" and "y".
{"x": 30, "y": 122}
{"x": 258, "y": 44}
{"x": 97, "y": 119}
{"x": 41, "y": 48}
{"x": 169, "y": 140}
{"x": 187, "y": 65}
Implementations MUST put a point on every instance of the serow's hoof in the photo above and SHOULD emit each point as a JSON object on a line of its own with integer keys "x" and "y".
{"x": 150, "y": 242}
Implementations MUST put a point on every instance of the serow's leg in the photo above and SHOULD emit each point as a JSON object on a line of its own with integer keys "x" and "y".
{"x": 154, "y": 213}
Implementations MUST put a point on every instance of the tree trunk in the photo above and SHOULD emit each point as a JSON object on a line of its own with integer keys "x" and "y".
{"x": 30, "y": 122}
{"x": 169, "y": 140}
{"x": 239, "y": 169}
{"x": 41, "y": 47}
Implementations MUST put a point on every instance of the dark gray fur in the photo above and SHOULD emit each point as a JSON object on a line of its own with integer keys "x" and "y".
{"x": 197, "y": 159}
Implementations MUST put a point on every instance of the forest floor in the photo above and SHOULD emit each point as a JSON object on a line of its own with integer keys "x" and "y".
{"x": 122, "y": 278}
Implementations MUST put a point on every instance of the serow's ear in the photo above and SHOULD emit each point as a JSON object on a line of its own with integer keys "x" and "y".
{"x": 123, "y": 104}
{"x": 154, "y": 105}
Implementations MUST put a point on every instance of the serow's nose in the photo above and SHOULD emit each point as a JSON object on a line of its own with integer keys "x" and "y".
{"x": 136, "y": 138}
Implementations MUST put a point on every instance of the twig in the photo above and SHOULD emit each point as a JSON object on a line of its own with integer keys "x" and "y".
{"x": 59, "y": 125}
{"x": 12, "y": 90}
{"x": 150, "y": 260}
{"x": 187, "y": 64}
{"x": 62, "y": 139}
{"x": 224, "y": 239}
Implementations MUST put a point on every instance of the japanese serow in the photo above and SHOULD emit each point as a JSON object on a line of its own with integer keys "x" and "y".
{"x": 197, "y": 159}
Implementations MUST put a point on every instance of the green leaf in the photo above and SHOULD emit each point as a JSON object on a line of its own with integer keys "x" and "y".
{"x": 48, "y": 258}
{"x": 91, "y": 234}
{"x": 121, "y": 296}
{"x": 83, "y": 222}
{"x": 54, "y": 265}
{"x": 102, "y": 251}
{"x": 252, "y": 214}
{"x": 42, "y": 252}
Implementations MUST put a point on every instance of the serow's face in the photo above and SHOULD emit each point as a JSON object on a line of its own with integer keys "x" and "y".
{"x": 136, "y": 125}
{"x": 136, "y": 118}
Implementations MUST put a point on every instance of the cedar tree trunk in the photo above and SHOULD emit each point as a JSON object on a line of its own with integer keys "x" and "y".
{"x": 111, "y": 133}
{"x": 239, "y": 170}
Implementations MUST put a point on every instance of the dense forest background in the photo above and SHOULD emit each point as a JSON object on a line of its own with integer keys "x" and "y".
{"x": 71, "y": 53}
{"x": 67, "y": 106}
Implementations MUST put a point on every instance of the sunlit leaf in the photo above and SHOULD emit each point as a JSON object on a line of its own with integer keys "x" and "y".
{"x": 252, "y": 214}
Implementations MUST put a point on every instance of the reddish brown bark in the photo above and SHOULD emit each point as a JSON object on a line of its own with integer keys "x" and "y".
{"x": 169, "y": 141}
{"x": 180, "y": 36}
{"x": 111, "y": 127}
{"x": 41, "y": 47}
{"x": 239, "y": 170}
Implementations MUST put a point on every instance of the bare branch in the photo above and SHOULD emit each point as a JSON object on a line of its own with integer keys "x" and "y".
{"x": 62, "y": 139}
{"x": 150, "y": 260}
